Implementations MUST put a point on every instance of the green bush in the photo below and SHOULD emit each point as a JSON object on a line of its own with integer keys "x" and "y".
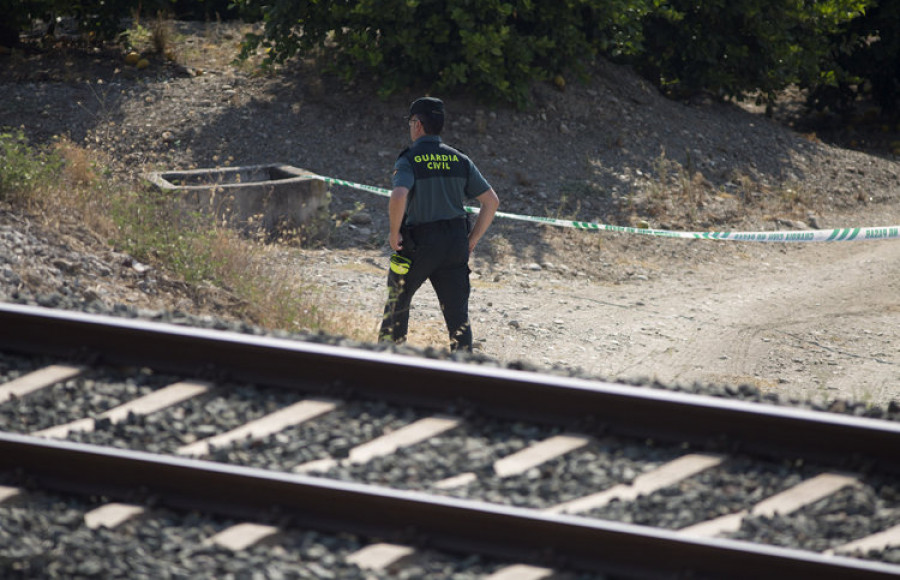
{"x": 733, "y": 47}
{"x": 864, "y": 60}
{"x": 497, "y": 48}
{"x": 493, "y": 48}
{"x": 25, "y": 169}
{"x": 153, "y": 228}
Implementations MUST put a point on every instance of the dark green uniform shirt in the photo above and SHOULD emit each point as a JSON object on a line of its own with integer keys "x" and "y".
{"x": 440, "y": 179}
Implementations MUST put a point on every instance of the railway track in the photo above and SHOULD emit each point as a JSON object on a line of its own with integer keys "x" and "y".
{"x": 537, "y": 474}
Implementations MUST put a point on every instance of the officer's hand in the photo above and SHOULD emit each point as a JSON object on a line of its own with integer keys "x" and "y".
{"x": 472, "y": 243}
{"x": 396, "y": 241}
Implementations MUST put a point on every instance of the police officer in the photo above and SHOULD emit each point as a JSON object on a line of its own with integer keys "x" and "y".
{"x": 430, "y": 233}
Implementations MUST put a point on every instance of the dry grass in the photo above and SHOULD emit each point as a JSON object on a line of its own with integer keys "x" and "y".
{"x": 680, "y": 196}
{"x": 81, "y": 192}
{"x": 66, "y": 186}
{"x": 272, "y": 300}
{"x": 213, "y": 46}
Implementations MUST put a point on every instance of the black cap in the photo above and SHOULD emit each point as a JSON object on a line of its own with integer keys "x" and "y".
{"x": 428, "y": 106}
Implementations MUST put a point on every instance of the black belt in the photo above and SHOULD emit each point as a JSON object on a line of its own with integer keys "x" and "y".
{"x": 439, "y": 225}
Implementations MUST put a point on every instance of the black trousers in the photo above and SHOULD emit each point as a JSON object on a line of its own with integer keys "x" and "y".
{"x": 440, "y": 253}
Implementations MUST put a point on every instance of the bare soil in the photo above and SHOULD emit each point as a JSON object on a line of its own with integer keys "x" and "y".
{"x": 810, "y": 321}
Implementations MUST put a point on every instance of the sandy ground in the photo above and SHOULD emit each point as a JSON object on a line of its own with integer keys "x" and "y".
{"x": 817, "y": 323}
{"x": 812, "y": 322}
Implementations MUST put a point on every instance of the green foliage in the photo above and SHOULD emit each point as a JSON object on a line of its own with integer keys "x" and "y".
{"x": 148, "y": 225}
{"x": 152, "y": 227}
{"x": 838, "y": 49}
{"x": 731, "y": 47}
{"x": 24, "y": 169}
{"x": 864, "y": 61}
{"x": 495, "y": 48}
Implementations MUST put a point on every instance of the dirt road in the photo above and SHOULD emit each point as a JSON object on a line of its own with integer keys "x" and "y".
{"x": 814, "y": 322}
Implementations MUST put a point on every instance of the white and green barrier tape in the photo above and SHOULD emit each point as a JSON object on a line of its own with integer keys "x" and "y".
{"x": 832, "y": 235}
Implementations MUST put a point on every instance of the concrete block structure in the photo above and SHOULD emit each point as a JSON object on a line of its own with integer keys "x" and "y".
{"x": 254, "y": 198}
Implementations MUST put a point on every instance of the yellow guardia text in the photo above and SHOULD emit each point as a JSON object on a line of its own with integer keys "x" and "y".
{"x": 433, "y": 161}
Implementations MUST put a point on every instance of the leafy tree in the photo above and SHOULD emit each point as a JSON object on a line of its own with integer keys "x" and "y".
{"x": 493, "y": 47}
{"x": 864, "y": 60}
{"x": 732, "y": 47}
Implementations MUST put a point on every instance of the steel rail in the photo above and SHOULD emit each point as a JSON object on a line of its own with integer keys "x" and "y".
{"x": 448, "y": 524}
{"x": 847, "y": 441}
